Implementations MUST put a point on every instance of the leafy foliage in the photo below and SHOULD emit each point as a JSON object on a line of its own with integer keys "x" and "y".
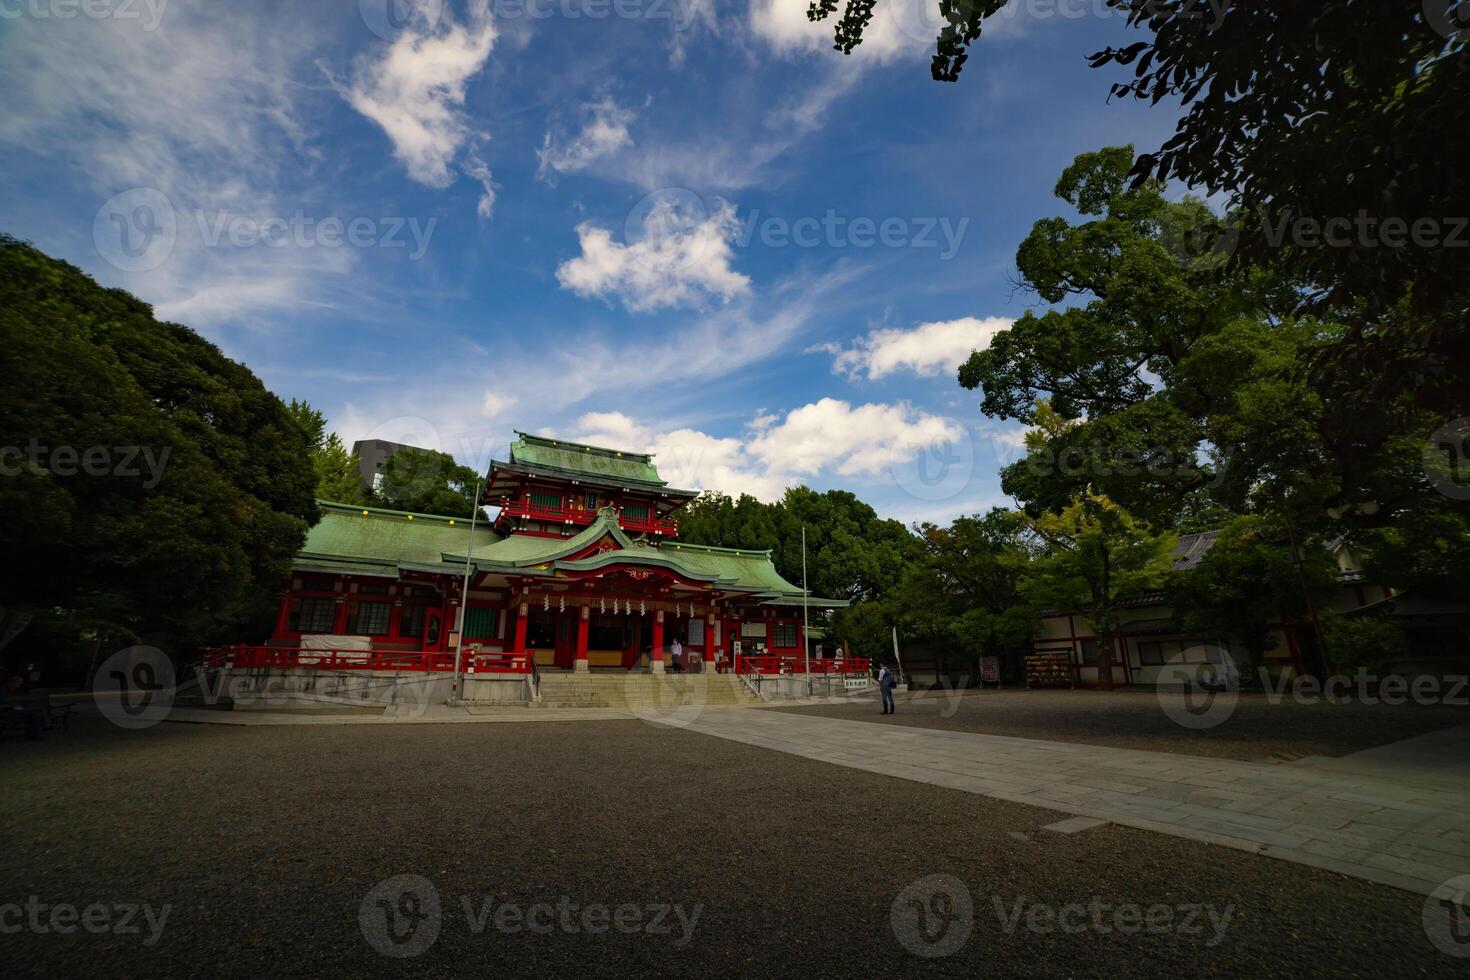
{"x": 428, "y": 482}
{"x": 1097, "y": 558}
{"x": 1187, "y": 389}
{"x": 1247, "y": 582}
{"x": 337, "y": 476}
{"x": 202, "y": 490}
{"x": 851, "y": 553}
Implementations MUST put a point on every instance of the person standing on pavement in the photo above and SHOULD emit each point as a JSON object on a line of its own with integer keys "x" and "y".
{"x": 886, "y": 682}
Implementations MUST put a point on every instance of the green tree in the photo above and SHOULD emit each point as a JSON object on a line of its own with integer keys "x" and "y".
{"x": 1189, "y": 391}
{"x": 152, "y": 487}
{"x": 337, "y": 477}
{"x": 1329, "y": 159}
{"x": 851, "y": 552}
{"x": 964, "y": 589}
{"x": 1247, "y": 582}
{"x": 1097, "y": 558}
{"x": 428, "y": 482}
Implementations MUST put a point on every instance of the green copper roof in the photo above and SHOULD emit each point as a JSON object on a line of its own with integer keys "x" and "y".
{"x": 372, "y": 541}
{"x": 577, "y": 458}
{"x": 385, "y": 537}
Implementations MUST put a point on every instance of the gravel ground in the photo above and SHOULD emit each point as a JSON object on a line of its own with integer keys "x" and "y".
{"x": 1256, "y": 731}
{"x": 265, "y": 844}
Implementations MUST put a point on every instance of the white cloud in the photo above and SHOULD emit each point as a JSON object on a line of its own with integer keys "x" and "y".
{"x": 899, "y": 28}
{"x": 549, "y": 390}
{"x": 604, "y": 132}
{"x": 495, "y": 403}
{"x": 681, "y": 259}
{"x": 827, "y": 436}
{"x": 929, "y": 349}
{"x": 833, "y": 435}
{"x": 415, "y": 92}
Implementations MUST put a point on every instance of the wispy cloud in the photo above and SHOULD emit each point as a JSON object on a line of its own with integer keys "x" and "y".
{"x": 203, "y": 116}
{"x": 604, "y": 132}
{"x": 414, "y": 89}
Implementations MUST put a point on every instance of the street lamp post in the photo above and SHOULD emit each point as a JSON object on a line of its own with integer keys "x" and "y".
{"x": 464, "y": 596}
{"x": 806, "y": 641}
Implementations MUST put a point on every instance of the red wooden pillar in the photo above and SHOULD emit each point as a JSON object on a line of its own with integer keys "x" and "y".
{"x": 283, "y": 617}
{"x": 339, "y": 622}
{"x": 710, "y": 653}
{"x": 656, "y": 655}
{"x": 520, "y": 640}
{"x": 580, "y": 664}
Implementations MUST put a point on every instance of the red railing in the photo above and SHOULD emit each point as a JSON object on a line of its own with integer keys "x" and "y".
{"x": 796, "y": 664}
{"x": 243, "y": 656}
{"x": 539, "y": 512}
{"x": 650, "y": 525}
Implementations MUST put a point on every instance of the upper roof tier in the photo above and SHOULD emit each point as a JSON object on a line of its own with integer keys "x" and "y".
{"x": 579, "y": 461}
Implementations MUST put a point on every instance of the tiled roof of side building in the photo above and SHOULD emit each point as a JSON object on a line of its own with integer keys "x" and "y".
{"x": 1192, "y": 548}
{"x": 378, "y": 536}
{"x": 574, "y": 457}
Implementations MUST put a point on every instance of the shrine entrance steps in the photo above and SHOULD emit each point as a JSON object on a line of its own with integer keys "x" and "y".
{"x": 637, "y": 690}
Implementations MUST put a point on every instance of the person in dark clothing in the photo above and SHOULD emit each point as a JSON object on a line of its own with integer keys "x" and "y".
{"x": 886, "y": 683}
{"x": 34, "y": 715}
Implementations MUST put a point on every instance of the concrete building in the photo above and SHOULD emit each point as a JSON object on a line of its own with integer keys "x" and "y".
{"x": 372, "y": 456}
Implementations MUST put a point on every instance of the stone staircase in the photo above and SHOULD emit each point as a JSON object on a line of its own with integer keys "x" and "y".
{"x": 634, "y": 691}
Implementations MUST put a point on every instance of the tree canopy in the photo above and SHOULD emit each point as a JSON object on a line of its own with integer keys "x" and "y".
{"x": 337, "y": 476}
{"x": 428, "y": 482}
{"x": 1332, "y": 163}
{"x": 153, "y": 487}
{"x": 851, "y": 552}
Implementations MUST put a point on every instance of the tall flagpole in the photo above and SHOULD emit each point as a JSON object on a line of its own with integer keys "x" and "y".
{"x": 806, "y": 640}
{"x": 464, "y": 594}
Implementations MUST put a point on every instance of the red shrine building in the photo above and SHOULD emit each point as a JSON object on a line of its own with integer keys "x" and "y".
{"x": 581, "y": 568}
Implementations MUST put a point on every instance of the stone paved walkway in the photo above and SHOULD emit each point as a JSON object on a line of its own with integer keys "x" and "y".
{"x": 1381, "y": 817}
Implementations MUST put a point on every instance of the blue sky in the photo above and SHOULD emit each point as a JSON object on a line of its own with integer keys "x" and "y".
{"x": 678, "y": 226}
